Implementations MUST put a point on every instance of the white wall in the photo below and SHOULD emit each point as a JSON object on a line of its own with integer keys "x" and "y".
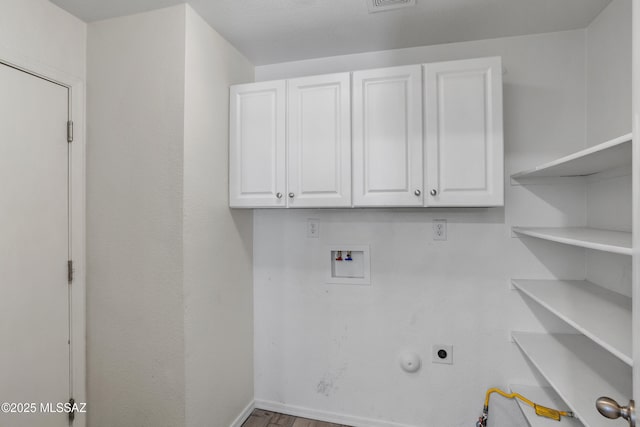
{"x": 332, "y": 350}
{"x": 609, "y": 116}
{"x": 609, "y": 73}
{"x": 136, "y": 85}
{"x": 171, "y": 284}
{"x": 218, "y": 279}
{"x": 40, "y": 32}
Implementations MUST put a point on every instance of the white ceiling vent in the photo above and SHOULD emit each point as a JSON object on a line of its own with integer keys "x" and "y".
{"x": 383, "y": 5}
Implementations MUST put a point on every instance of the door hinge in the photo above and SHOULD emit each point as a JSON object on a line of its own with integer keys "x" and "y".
{"x": 70, "y": 271}
{"x": 72, "y": 413}
{"x": 69, "y": 131}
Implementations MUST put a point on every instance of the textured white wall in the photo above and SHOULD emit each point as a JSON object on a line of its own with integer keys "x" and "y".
{"x": 170, "y": 300}
{"x": 39, "y": 31}
{"x": 609, "y": 116}
{"x": 135, "y": 340}
{"x": 218, "y": 279}
{"x": 334, "y": 348}
{"x": 609, "y": 73}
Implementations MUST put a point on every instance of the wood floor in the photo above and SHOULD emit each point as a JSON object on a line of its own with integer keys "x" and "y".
{"x": 261, "y": 418}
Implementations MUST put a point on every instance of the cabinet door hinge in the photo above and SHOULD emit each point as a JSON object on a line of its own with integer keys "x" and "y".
{"x": 70, "y": 271}
{"x": 72, "y": 413}
{"x": 69, "y": 131}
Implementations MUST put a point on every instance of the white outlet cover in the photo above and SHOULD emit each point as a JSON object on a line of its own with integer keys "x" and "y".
{"x": 313, "y": 228}
{"x": 439, "y": 229}
{"x": 447, "y": 352}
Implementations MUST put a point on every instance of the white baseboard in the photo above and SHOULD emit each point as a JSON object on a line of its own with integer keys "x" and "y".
{"x": 246, "y": 412}
{"x": 330, "y": 417}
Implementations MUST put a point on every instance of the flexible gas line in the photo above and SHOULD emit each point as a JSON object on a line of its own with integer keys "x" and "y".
{"x": 541, "y": 411}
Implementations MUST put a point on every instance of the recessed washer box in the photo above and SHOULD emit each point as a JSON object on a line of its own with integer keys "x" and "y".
{"x": 342, "y": 270}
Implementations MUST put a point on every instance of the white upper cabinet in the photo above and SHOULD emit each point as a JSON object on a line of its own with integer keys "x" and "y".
{"x": 319, "y": 141}
{"x": 257, "y": 170}
{"x": 387, "y": 137}
{"x": 463, "y": 133}
{"x": 362, "y": 139}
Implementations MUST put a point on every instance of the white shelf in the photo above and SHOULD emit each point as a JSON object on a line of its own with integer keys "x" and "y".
{"x": 606, "y": 156}
{"x": 579, "y": 370}
{"x": 544, "y": 396}
{"x": 618, "y": 242}
{"x": 600, "y": 314}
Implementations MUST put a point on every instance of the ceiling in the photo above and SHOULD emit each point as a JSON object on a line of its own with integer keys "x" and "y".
{"x": 271, "y": 31}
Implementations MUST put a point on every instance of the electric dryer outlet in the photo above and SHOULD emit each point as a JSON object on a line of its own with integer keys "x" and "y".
{"x": 442, "y": 353}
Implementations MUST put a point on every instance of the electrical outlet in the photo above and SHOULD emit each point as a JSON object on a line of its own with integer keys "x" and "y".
{"x": 439, "y": 229}
{"x": 313, "y": 228}
{"x": 443, "y": 353}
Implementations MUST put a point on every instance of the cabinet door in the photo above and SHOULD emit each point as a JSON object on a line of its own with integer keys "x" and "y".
{"x": 319, "y": 141}
{"x": 387, "y": 137}
{"x": 257, "y": 145}
{"x": 463, "y": 131}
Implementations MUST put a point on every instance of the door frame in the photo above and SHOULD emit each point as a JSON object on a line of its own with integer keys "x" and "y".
{"x": 77, "y": 210}
{"x": 635, "y": 23}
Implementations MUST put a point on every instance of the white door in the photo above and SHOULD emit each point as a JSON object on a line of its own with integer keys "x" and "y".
{"x": 257, "y": 169}
{"x": 636, "y": 204}
{"x": 387, "y": 137}
{"x": 463, "y": 133}
{"x": 34, "y": 247}
{"x": 319, "y": 141}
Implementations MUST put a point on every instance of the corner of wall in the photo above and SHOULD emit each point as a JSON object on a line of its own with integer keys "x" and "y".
{"x": 608, "y": 73}
{"x": 218, "y": 242}
{"x": 135, "y": 248}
